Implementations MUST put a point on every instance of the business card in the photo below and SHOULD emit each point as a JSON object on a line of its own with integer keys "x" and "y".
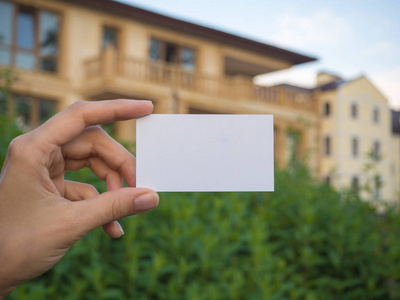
{"x": 205, "y": 153}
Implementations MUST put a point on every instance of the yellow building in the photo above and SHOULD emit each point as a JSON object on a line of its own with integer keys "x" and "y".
{"x": 64, "y": 51}
{"x": 355, "y": 133}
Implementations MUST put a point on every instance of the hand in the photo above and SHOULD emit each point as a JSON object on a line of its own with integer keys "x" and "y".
{"x": 41, "y": 214}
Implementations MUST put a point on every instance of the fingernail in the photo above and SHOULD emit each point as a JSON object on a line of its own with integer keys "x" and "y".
{"x": 145, "y": 202}
{"x": 119, "y": 226}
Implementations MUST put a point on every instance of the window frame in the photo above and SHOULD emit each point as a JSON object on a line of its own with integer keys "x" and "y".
{"x": 327, "y": 109}
{"x": 34, "y": 109}
{"x": 118, "y": 36}
{"x": 376, "y": 150}
{"x": 376, "y": 115}
{"x": 36, "y": 51}
{"x": 354, "y": 110}
{"x": 355, "y": 146}
{"x": 355, "y": 185}
{"x": 163, "y": 53}
{"x": 327, "y": 146}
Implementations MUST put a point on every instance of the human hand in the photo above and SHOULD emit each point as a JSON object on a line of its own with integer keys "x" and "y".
{"x": 41, "y": 214}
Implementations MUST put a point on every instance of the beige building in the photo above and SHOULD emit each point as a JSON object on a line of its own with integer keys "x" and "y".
{"x": 63, "y": 51}
{"x": 355, "y": 135}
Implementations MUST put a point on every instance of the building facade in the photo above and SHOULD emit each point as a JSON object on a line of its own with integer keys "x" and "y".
{"x": 63, "y": 51}
{"x": 355, "y": 135}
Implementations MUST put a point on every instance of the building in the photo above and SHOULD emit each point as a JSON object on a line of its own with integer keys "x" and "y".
{"x": 355, "y": 135}
{"x": 63, "y": 51}
{"x": 395, "y": 164}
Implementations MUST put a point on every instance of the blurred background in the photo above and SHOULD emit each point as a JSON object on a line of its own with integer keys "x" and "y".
{"x": 329, "y": 73}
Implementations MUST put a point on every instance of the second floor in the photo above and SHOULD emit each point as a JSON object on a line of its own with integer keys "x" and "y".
{"x": 69, "y": 40}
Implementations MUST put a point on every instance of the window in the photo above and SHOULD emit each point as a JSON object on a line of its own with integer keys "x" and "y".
{"x": 6, "y": 16}
{"x": 328, "y": 180}
{"x": 3, "y": 103}
{"x": 327, "y": 109}
{"x": 354, "y": 111}
{"x": 48, "y": 30}
{"x": 354, "y": 147}
{"x": 30, "y": 112}
{"x": 28, "y": 37}
{"x": 355, "y": 185}
{"x": 292, "y": 145}
{"x": 327, "y": 146}
{"x": 172, "y": 53}
{"x": 110, "y": 37}
{"x": 375, "y": 115}
{"x": 376, "y": 150}
{"x": 377, "y": 186}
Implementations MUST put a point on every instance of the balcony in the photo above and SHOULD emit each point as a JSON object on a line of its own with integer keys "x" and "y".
{"x": 110, "y": 72}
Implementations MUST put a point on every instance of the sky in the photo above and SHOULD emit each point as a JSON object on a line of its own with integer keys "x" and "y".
{"x": 350, "y": 38}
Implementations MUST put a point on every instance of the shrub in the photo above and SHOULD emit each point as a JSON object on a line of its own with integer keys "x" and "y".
{"x": 304, "y": 241}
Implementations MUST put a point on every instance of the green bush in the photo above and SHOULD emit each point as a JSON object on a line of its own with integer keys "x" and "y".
{"x": 304, "y": 241}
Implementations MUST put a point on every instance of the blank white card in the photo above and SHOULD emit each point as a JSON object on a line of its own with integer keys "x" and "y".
{"x": 182, "y": 153}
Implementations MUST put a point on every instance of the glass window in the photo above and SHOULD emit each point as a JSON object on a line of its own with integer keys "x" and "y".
{"x": 292, "y": 145}
{"x": 355, "y": 185}
{"x": 375, "y": 115}
{"x": 25, "y": 30}
{"x": 110, "y": 36}
{"x": 25, "y": 60}
{"x": 155, "y": 49}
{"x": 35, "y": 44}
{"x": 3, "y": 103}
{"x": 327, "y": 109}
{"x": 328, "y": 180}
{"x": 47, "y": 109}
{"x": 171, "y": 53}
{"x": 376, "y": 150}
{"x": 48, "y": 30}
{"x": 377, "y": 186}
{"x": 6, "y": 14}
{"x": 354, "y": 111}
{"x": 5, "y": 56}
{"x": 187, "y": 59}
{"x": 327, "y": 145}
{"x": 354, "y": 147}
{"x": 23, "y": 111}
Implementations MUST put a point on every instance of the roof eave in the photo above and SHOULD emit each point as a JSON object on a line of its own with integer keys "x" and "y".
{"x": 191, "y": 28}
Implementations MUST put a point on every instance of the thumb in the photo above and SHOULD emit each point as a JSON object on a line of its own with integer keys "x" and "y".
{"x": 113, "y": 205}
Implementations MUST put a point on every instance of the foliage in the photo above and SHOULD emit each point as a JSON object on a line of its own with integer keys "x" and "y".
{"x": 304, "y": 241}
{"x": 8, "y": 130}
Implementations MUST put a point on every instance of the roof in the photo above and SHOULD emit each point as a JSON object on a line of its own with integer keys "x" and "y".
{"x": 164, "y": 21}
{"x": 294, "y": 88}
{"x": 333, "y": 85}
{"x": 396, "y": 122}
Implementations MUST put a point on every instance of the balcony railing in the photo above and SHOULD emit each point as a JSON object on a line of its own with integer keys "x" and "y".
{"x": 162, "y": 73}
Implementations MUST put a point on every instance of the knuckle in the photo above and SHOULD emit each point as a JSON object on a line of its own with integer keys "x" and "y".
{"x": 90, "y": 190}
{"x": 78, "y": 105}
{"x": 115, "y": 210}
{"x": 17, "y": 146}
{"x": 96, "y": 132}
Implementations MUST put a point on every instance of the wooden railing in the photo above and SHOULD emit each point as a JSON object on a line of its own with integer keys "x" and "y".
{"x": 162, "y": 73}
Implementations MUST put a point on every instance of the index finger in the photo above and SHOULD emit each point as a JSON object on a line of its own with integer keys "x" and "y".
{"x": 70, "y": 122}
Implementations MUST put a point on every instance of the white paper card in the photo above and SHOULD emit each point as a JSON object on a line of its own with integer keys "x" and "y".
{"x": 185, "y": 153}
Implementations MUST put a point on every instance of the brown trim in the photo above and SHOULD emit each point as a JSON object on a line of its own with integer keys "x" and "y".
{"x": 163, "y": 21}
